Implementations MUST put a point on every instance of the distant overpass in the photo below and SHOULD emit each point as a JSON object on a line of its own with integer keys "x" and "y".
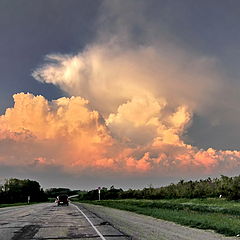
{"x": 73, "y": 196}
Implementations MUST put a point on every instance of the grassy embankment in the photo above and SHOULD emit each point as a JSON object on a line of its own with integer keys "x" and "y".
{"x": 217, "y": 214}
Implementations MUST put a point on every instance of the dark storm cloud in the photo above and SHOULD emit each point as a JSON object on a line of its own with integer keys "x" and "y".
{"x": 31, "y": 29}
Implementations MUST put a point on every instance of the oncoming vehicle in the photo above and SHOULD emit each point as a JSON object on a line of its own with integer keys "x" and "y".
{"x": 62, "y": 200}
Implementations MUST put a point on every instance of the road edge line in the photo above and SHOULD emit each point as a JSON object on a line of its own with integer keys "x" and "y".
{"x": 97, "y": 231}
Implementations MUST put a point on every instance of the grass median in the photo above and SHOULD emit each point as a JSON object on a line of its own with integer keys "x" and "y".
{"x": 219, "y": 215}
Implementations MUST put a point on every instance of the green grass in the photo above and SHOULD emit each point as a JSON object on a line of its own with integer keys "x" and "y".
{"x": 219, "y": 215}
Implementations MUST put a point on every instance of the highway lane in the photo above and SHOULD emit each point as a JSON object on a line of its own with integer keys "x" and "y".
{"x": 48, "y": 221}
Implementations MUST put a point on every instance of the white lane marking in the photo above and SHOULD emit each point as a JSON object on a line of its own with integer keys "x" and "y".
{"x": 100, "y": 235}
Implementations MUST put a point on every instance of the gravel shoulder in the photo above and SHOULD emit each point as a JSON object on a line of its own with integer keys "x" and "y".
{"x": 142, "y": 227}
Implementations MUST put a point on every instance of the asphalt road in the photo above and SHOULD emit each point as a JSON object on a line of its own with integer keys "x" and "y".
{"x": 48, "y": 221}
{"x": 84, "y": 221}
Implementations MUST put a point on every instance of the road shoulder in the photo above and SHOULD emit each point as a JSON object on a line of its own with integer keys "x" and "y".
{"x": 144, "y": 227}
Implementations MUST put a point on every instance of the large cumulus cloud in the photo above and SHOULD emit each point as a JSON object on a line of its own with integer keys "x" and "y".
{"x": 132, "y": 94}
{"x": 62, "y": 132}
{"x": 66, "y": 133}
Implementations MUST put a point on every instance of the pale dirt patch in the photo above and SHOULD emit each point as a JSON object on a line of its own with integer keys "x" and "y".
{"x": 142, "y": 227}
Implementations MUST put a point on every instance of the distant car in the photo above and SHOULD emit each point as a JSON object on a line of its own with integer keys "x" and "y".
{"x": 62, "y": 200}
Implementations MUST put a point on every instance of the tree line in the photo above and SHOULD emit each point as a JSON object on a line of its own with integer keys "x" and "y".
{"x": 15, "y": 190}
{"x": 227, "y": 187}
{"x": 54, "y": 192}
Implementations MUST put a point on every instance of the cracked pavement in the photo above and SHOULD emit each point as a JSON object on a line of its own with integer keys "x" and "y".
{"x": 48, "y": 221}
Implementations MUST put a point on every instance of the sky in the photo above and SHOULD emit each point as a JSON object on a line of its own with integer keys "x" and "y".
{"x": 124, "y": 93}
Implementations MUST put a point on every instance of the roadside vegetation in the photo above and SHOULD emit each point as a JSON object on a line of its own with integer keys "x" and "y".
{"x": 226, "y": 187}
{"x": 206, "y": 204}
{"x": 16, "y": 192}
{"x": 220, "y": 215}
{"x": 52, "y": 193}
{"x": 21, "y": 191}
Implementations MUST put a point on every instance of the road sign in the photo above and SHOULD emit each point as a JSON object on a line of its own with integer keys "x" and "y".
{"x": 99, "y": 193}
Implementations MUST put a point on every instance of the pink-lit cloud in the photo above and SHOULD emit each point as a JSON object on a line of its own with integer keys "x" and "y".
{"x": 67, "y": 133}
{"x": 130, "y": 104}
